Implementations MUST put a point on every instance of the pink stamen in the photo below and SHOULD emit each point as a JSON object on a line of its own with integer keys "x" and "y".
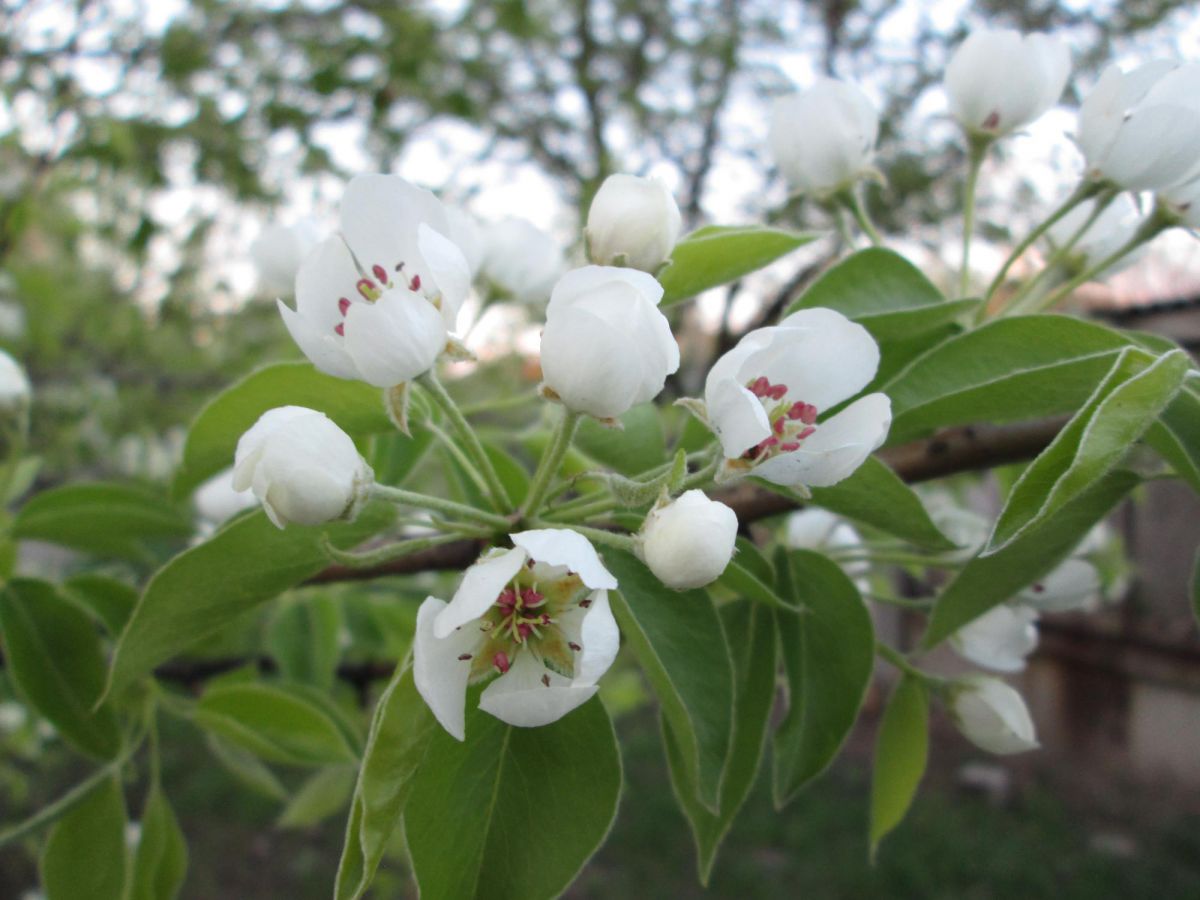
{"x": 789, "y": 447}
{"x": 500, "y": 662}
{"x": 805, "y": 433}
{"x": 769, "y": 442}
{"x": 778, "y": 426}
{"x": 809, "y": 414}
{"x": 760, "y": 386}
{"x": 530, "y": 597}
{"x": 508, "y": 598}
{"x": 343, "y": 305}
{"x": 574, "y": 646}
{"x": 777, "y": 391}
{"x": 340, "y": 328}
{"x": 585, "y": 602}
{"x": 415, "y": 284}
{"x": 380, "y": 273}
{"x": 523, "y": 631}
{"x": 464, "y": 657}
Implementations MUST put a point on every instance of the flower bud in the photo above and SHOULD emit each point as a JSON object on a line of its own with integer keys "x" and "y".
{"x": 689, "y": 542}
{"x": 15, "y": 391}
{"x": 999, "y": 80}
{"x": 1000, "y": 639}
{"x": 606, "y": 346}
{"x": 992, "y": 715}
{"x": 632, "y": 222}
{"x": 823, "y": 139}
{"x": 302, "y": 467}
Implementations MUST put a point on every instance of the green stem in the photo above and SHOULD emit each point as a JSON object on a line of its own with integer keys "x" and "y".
{"x": 902, "y": 602}
{"x": 900, "y": 661}
{"x": 851, "y": 200}
{"x": 437, "y": 504}
{"x": 703, "y": 476}
{"x": 891, "y": 558}
{"x": 594, "y": 507}
{"x": 385, "y": 554}
{"x": 467, "y": 434}
{"x": 514, "y": 402}
{"x": 551, "y": 461}
{"x": 1085, "y": 191}
{"x": 976, "y": 153}
{"x": 596, "y": 535}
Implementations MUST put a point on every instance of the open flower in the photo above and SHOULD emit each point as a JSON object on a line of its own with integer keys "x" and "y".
{"x": 992, "y": 715}
{"x": 537, "y": 616}
{"x": 999, "y": 79}
{"x": 765, "y": 398}
{"x": 378, "y": 301}
{"x": 520, "y": 260}
{"x": 823, "y": 139}
{"x": 301, "y": 467}
{"x": 632, "y": 222}
{"x": 1140, "y": 129}
{"x": 606, "y": 347}
{"x": 688, "y": 542}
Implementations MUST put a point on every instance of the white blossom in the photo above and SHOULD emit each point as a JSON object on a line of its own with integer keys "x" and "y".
{"x": 278, "y": 252}
{"x": 992, "y": 715}
{"x": 606, "y": 346}
{"x": 1140, "y": 129}
{"x": 1112, "y": 230}
{"x": 378, "y": 301}
{"x": 998, "y": 80}
{"x": 15, "y": 391}
{"x": 216, "y": 500}
{"x": 688, "y": 542}
{"x": 765, "y": 397}
{"x": 1000, "y": 639}
{"x": 467, "y": 234}
{"x": 1184, "y": 201}
{"x": 633, "y": 222}
{"x": 521, "y": 260}
{"x": 823, "y": 138}
{"x": 1073, "y": 585}
{"x": 536, "y": 615}
{"x": 301, "y": 467}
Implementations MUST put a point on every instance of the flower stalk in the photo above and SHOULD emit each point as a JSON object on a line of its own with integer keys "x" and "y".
{"x": 551, "y": 461}
{"x": 437, "y": 504}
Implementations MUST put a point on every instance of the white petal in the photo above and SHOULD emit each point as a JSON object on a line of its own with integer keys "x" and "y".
{"x": 1075, "y": 584}
{"x": 821, "y": 356}
{"x": 589, "y": 364}
{"x": 1102, "y": 113}
{"x": 449, "y": 268}
{"x": 324, "y": 348}
{"x": 394, "y": 339}
{"x": 381, "y": 215}
{"x": 600, "y": 640}
{"x": 1000, "y": 639}
{"x": 811, "y": 528}
{"x": 562, "y": 547}
{"x": 438, "y": 673}
{"x": 993, "y": 715}
{"x": 839, "y": 446}
{"x": 579, "y": 283}
{"x": 521, "y": 698}
{"x": 250, "y": 445}
{"x": 480, "y": 586}
{"x": 326, "y": 276}
{"x": 737, "y": 417}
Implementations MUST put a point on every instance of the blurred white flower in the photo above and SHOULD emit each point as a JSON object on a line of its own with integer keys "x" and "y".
{"x": 606, "y": 346}
{"x": 536, "y": 615}
{"x": 689, "y": 542}
{"x": 521, "y": 261}
{"x": 467, "y": 234}
{"x": 1184, "y": 201}
{"x": 823, "y": 138}
{"x": 278, "y": 252}
{"x": 387, "y": 322}
{"x": 216, "y": 500}
{"x": 764, "y": 397}
{"x": 1140, "y": 129}
{"x": 1073, "y": 584}
{"x": 1111, "y": 231}
{"x": 15, "y": 390}
{"x": 632, "y": 222}
{"x": 992, "y": 715}
{"x": 1000, "y": 639}
{"x": 301, "y": 467}
{"x": 998, "y": 79}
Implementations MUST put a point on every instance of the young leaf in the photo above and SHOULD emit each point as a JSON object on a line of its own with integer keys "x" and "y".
{"x": 751, "y": 631}
{"x": 876, "y": 496}
{"x": 276, "y": 722}
{"x": 207, "y": 587}
{"x": 247, "y": 768}
{"x": 828, "y": 654}
{"x": 110, "y": 600}
{"x": 1176, "y": 436}
{"x": 54, "y": 659}
{"x": 356, "y": 407}
{"x": 633, "y": 448}
{"x": 1007, "y": 370}
{"x": 512, "y": 813}
{"x": 401, "y": 731}
{"x": 681, "y": 646}
{"x": 304, "y": 639}
{"x": 718, "y": 254}
{"x": 104, "y": 519}
{"x": 901, "y": 750}
{"x": 160, "y": 862}
{"x": 988, "y": 580}
{"x": 885, "y": 293}
{"x": 85, "y": 855}
{"x": 1100, "y": 434}
{"x": 327, "y": 792}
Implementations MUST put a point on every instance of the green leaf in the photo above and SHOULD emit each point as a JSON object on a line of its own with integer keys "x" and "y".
{"x": 401, "y": 731}
{"x": 54, "y": 660}
{"x": 1196, "y": 589}
{"x": 85, "y": 855}
{"x": 356, "y": 407}
{"x": 325, "y": 793}
{"x": 885, "y": 293}
{"x": 743, "y": 582}
{"x": 512, "y": 813}
{"x": 304, "y": 638}
{"x": 635, "y": 447}
{"x": 395, "y": 456}
{"x": 828, "y": 654}
{"x": 901, "y": 751}
{"x": 876, "y": 496}
{"x": 161, "y": 859}
{"x": 988, "y": 580}
{"x": 104, "y": 519}
{"x": 1176, "y": 436}
{"x": 209, "y": 586}
{"x": 1096, "y": 438}
{"x": 752, "y": 559}
{"x": 751, "y": 631}
{"x": 1023, "y": 367}
{"x": 277, "y": 722}
{"x": 247, "y": 768}
{"x": 681, "y": 646}
{"x": 718, "y": 254}
{"x": 110, "y": 600}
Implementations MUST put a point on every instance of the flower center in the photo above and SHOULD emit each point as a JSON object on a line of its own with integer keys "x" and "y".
{"x": 371, "y": 289}
{"x": 791, "y": 422}
{"x": 530, "y": 616}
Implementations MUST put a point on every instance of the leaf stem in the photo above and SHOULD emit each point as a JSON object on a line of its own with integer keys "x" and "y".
{"x": 438, "y": 504}
{"x": 551, "y": 461}
{"x": 466, "y": 433}
{"x": 386, "y": 553}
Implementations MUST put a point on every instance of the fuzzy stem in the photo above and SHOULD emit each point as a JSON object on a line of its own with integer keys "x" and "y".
{"x": 384, "y": 554}
{"x": 551, "y": 461}
{"x": 475, "y": 449}
{"x": 437, "y": 504}
{"x": 851, "y": 200}
{"x": 596, "y": 535}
